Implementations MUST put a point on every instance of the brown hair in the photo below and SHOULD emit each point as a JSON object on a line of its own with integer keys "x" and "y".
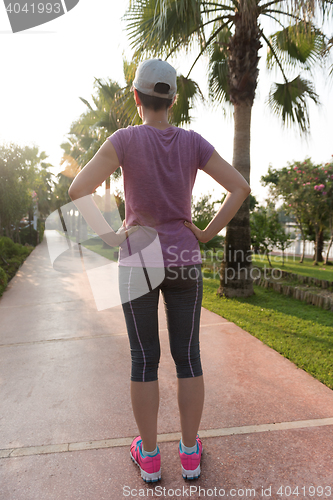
{"x": 156, "y": 103}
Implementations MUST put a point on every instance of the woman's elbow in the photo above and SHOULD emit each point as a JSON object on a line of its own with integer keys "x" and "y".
{"x": 244, "y": 190}
{"x": 71, "y": 193}
{"x": 74, "y": 193}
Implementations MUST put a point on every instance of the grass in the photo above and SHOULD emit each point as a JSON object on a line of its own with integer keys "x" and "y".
{"x": 96, "y": 245}
{"x": 300, "y": 332}
{"x": 292, "y": 265}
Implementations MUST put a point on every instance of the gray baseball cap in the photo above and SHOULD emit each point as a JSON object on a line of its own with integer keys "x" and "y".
{"x": 153, "y": 71}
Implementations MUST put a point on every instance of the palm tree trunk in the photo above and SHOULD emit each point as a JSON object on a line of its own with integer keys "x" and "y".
{"x": 236, "y": 277}
{"x": 326, "y": 261}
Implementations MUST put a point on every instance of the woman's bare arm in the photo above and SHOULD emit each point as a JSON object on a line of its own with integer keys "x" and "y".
{"x": 101, "y": 166}
{"x": 238, "y": 190}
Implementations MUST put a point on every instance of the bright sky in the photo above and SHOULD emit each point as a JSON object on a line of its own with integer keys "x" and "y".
{"x": 46, "y": 69}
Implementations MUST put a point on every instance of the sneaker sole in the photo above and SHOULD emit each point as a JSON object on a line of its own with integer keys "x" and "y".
{"x": 191, "y": 474}
{"x": 146, "y": 476}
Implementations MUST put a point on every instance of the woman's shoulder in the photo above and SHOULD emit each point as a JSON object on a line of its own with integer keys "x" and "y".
{"x": 125, "y": 130}
{"x": 191, "y": 133}
{"x": 122, "y": 134}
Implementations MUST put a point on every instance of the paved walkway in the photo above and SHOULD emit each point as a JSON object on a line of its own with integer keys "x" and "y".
{"x": 65, "y": 415}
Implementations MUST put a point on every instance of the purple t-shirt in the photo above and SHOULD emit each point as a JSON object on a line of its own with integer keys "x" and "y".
{"x": 159, "y": 169}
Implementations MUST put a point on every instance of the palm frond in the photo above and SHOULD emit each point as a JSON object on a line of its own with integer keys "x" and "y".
{"x": 126, "y": 108}
{"x": 86, "y": 103}
{"x": 187, "y": 92}
{"x": 129, "y": 68}
{"x": 108, "y": 89}
{"x": 303, "y": 10}
{"x": 297, "y": 45}
{"x": 218, "y": 64}
{"x": 289, "y": 101}
{"x": 159, "y": 26}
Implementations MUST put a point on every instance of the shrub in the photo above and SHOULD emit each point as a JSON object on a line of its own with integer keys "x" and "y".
{"x": 9, "y": 249}
{"x": 12, "y": 255}
{"x": 3, "y": 280}
{"x": 28, "y": 237}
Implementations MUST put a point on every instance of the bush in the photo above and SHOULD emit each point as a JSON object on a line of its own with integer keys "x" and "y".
{"x": 12, "y": 255}
{"x": 29, "y": 236}
{"x": 3, "y": 280}
{"x": 34, "y": 237}
{"x": 8, "y": 248}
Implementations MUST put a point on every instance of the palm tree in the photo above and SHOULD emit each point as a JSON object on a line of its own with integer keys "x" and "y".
{"x": 230, "y": 33}
{"x": 89, "y": 132}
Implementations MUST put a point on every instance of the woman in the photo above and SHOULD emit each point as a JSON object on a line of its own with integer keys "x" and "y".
{"x": 159, "y": 164}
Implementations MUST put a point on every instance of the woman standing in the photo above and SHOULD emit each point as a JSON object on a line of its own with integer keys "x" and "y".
{"x": 159, "y": 164}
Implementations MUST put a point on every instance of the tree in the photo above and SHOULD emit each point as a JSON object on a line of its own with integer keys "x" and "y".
{"x": 203, "y": 210}
{"x": 229, "y": 32}
{"x": 91, "y": 129}
{"x": 14, "y": 195}
{"x": 25, "y": 184}
{"x": 283, "y": 240}
{"x": 89, "y": 132}
{"x": 266, "y": 230}
{"x": 307, "y": 192}
{"x": 60, "y": 196}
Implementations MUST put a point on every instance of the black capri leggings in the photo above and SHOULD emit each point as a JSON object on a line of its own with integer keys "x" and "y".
{"x": 182, "y": 294}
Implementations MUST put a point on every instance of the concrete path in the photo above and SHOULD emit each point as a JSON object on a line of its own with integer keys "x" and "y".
{"x": 66, "y": 420}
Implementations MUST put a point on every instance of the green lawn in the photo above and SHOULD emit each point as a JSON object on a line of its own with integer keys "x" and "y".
{"x": 292, "y": 265}
{"x": 96, "y": 245}
{"x": 300, "y": 332}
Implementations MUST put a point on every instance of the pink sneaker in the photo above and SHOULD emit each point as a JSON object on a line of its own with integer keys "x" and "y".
{"x": 150, "y": 466}
{"x": 191, "y": 461}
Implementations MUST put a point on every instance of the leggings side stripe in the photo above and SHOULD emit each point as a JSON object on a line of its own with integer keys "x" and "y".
{"x": 193, "y": 317}
{"x": 136, "y": 327}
